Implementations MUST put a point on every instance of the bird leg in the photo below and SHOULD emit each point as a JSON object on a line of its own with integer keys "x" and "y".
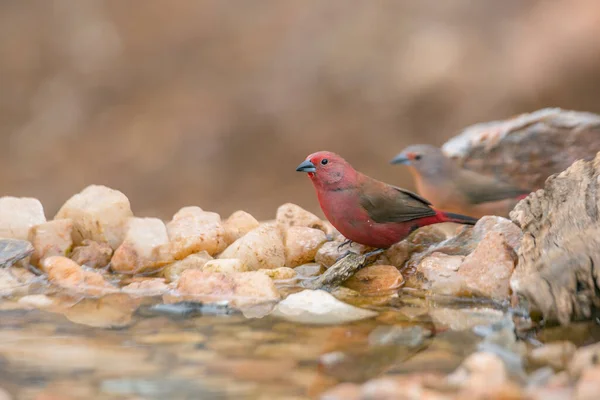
{"x": 346, "y": 242}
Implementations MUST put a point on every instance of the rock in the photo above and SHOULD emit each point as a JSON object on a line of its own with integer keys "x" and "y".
{"x": 99, "y": 214}
{"x": 18, "y": 215}
{"x": 66, "y": 273}
{"x": 36, "y": 301}
{"x": 338, "y": 273}
{"x": 588, "y": 386}
{"x": 225, "y": 265}
{"x": 412, "y": 386}
{"x": 487, "y": 271}
{"x": 585, "y": 358}
{"x": 147, "y": 287}
{"x": 318, "y": 307}
{"x": 556, "y": 355}
{"x": 241, "y": 288}
{"x": 343, "y": 391}
{"x": 92, "y": 254}
{"x": 15, "y": 281}
{"x": 330, "y": 252}
{"x": 301, "y": 245}
{"x": 309, "y": 270}
{"x": 172, "y": 272}
{"x": 261, "y": 248}
{"x": 468, "y": 238}
{"x": 527, "y": 149}
{"x": 375, "y": 279}
{"x": 51, "y": 238}
{"x": 289, "y": 215}
{"x": 438, "y": 273}
{"x": 13, "y": 250}
{"x": 238, "y": 224}
{"x": 193, "y": 230}
{"x": 481, "y": 376}
{"x": 461, "y": 319}
{"x": 278, "y": 274}
{"x": 418, "y": 241}
{"x": 140, "y": 251}
{"x": 556, "y": 272}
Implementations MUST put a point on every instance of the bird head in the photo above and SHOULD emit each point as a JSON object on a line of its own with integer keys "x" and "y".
{"x": 327, "y": 169}
{"x": 424, "y": 158}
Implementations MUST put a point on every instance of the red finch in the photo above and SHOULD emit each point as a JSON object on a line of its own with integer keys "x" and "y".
{"x": 365, "y": 210}
{"x": 455, "y": 189}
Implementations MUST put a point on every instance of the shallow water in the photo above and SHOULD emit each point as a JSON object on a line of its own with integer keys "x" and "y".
{"x": 127, "y": 348}
{"x": 134, "y": 351}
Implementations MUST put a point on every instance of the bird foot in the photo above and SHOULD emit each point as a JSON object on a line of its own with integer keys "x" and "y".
{"x": 346, "y": 242}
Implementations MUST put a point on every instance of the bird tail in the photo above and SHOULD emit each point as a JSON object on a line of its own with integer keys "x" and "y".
{"x": 458, "y": 218}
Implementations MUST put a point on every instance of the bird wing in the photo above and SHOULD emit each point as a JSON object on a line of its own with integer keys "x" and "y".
{"x": 482, "y": 189}
{"x": 394, "y": 204}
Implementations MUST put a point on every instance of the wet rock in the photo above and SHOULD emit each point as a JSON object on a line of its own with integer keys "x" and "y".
{"x": 261, "y": 248}
{"x": 488, "y": 269}
{"x": 193, "y": 230}
{"x": 468, "y": 238}
{"x": 318, "y": 307}
{"x": 485, "y": 272}
{"x": 15, "y": 281}
{"x": 238, "y": 224}
{"x": 51, "y": 238}
{"x": 585, "y": 358}
{"x": 289, "y": 215}
{"x": 338, "y": 273}
{"x": 242, "y": 288}
{"x": 375, "y": 279}
{"x": 483, "y": 376}
{"x": 18, "y": 215}
{"x": 330, "y": 252}
{"x": 301, "y": 245}
{"x": 419, "y": 241}
{"x": 343, "y": 391}
{"x": 92, "y": 254}
{"x": 36, "y": 301}
{"x": 13, "y": 250}
{"x": 464, "y": 318}
{"x": 66, "y": 273}
{"x": 99, "y": 214}
{"x": 527, "y": 149}
{"x": 146, "y": 287}
{"x": 113, "y": 310}
{"x": 413, "y": 386}
{"x": 561, "y": 245}
{"x": 171, "y": 338}
{"x": 172, "y": 272}
{"x": 588, "y": 386}
{"x": 556, "y": 355}
{"x": 225, "y": 265}
{"x": 438, "y": 273}
{"x": 309, "y": 270}
{"x": 140, "y": 251}
{"x": 279, "y": 274}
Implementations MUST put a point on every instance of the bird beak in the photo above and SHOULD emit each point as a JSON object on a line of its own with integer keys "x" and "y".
{"x": 306, "y": 166}
{"x": 400, "y": 159}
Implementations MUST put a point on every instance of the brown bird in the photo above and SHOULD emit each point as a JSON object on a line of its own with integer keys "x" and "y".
{"x": 455, "y": 189}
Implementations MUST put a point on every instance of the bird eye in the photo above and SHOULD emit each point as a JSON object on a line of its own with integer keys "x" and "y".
{"x": 418, "y": 157}
{"x": 324, "y": 161}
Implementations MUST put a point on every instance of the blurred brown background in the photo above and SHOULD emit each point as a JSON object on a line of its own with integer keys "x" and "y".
{"x": 214, "y": 103}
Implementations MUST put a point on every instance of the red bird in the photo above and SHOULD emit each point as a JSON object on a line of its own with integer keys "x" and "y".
{"x": 365, "y": 210}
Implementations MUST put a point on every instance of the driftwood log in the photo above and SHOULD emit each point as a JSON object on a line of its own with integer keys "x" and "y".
{"x": 559, "y": 258}
{"x": 527, "y": 149}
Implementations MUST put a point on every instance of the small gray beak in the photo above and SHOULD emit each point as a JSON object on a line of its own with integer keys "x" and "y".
{"x": 400, "y": 159}
{"x": 306, "y": 166}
